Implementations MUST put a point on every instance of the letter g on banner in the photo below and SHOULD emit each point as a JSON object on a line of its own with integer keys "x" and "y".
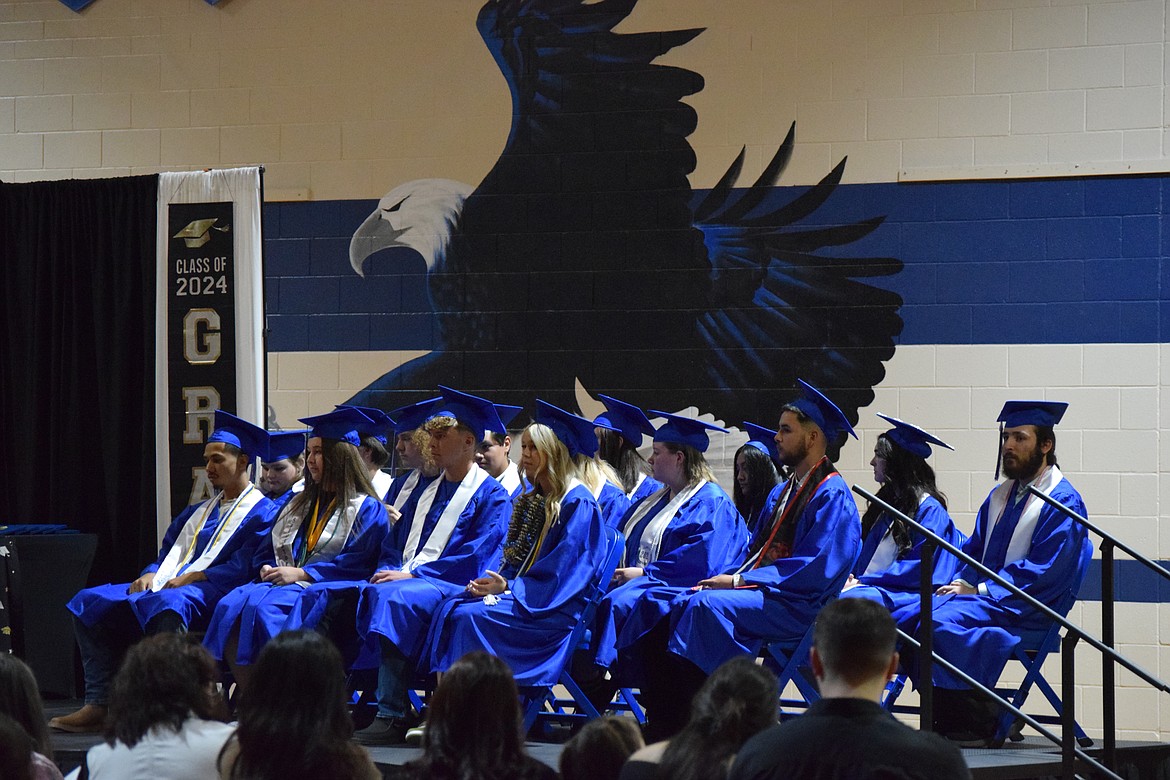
{"x": 202, "y": 344}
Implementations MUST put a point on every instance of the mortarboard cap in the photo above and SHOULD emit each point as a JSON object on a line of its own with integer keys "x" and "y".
{"x": 911, "y": 438}
{"x": 507, "y": 413}
{"x": 574, "y": 431}
{"x": 822, "y": 411}
{"x": 407, "y": 418}
{"x": 478, "y": 414}
{"x": 627, "y": 419}
{"x": 1043, "y": 413}
{"x": 284, "y": 445}
{"x": 685, "y": 430}
{"x": 229, "y": 429}
{"x": 198, "y": 233}
{"x": 342, "y": 424}
{"x": 383, "y": 425}
{"x": 763, "y": 439}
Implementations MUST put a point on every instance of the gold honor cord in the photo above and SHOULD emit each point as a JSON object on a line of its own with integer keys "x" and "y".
{"x": 223, "y": 522}
{"x": 316, "y": 528}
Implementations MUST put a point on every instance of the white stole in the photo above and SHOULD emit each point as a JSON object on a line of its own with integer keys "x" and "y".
{"x": 638, "y": 484}
{"x": 510, "y": 479}
{"x": 1021, "y": 541}
{"x": 651, "y": 541}
{"x": 407, "y": 488}
{"x": 335, "y": 533}
{"x": 228, "y": 524}
{"x": 412, "y": 557}
{"x": 887, "y": 549}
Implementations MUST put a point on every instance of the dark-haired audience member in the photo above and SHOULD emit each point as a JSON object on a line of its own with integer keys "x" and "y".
{"x": 620, "y": 429}
{"x": 756, "y": 480}
{"x": 847, "y": 735}
{"x": 196, "y": 567}
{"x": 293, "y": 718}
{"x": 889, "y": 568}
{"x": 735, "y": 703}
{"x": 474, "y": 727}
{"x": 160, "y": 722}
{"x": 17, "y": 756}
{"x": 21, "y": 700}
{"x": 600, "y": 748}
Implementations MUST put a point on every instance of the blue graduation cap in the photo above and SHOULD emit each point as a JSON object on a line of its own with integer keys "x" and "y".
{"x": 342, "y": 424}
{"x": 284, "y": 445}
{"x": 627, "y": 419}
{"x": 822, "y": 411}
{"x": 229, "y": 429}
{"x": 411, "y": 416}
{"x": 383, "y": 427}
{"x": 507, "y": 413}
{"x": 478, "y": 414}
{"x": 763, "y": 439}
{"x": 574, "y": 431}
{"x": 685, "y": 430}
{"x": 911, "y": 438}
{"x": 1042, "y": 413}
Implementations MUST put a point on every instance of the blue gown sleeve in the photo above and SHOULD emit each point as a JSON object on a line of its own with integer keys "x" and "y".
{"x": 706, "y": 537}
{"x": 903, "y": 574}
{"x": 357, "y": 558}
{"x": 476, "y": 539}
{"x": 573, "y": 555}
{"x": 170, "y": 536}
{"x": 233, "y": 566}
{"x": 614, "y": 505}
{"x": 826, "y": 545}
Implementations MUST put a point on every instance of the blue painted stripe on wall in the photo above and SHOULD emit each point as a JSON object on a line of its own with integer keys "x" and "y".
{"x": 1133, "y": 582}
{"x": 1005, "y": 262}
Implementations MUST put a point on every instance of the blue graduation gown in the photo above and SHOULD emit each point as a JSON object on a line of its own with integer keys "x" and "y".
{"x": 400, "y": 482}
{"x": 898, "y": 585}
{"x": 977, "y": 633}
{"x": 706, "y": 536}
{"x": 193, "y": 603}
{"x": 613, "y": 503}
{"x": 780, "y": 602}
{"x": 530, "y": 625}
{"x": 401, "y": 610}
{"x": 261, "y": 609}
{"x": 649, "y": 485}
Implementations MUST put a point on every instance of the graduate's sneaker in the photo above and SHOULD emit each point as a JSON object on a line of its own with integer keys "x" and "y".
{"x": 382, "y": 732}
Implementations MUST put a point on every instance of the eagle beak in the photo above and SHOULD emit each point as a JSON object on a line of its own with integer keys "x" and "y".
{"x": 371, "y": 236}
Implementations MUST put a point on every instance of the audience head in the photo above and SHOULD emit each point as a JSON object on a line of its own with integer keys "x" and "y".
{"x": 599, "y": 749}
{"x": 293, "y": 715}
{"x": 738, "y": 701}
{"x": 21, "y": 700}
{"x": 473, "y": 725}
{"x": 853, "y": 644}
{"x": 163, "y": 679}
{"x": 16, "y": 749}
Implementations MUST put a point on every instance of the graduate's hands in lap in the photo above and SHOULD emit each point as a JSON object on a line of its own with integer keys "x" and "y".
{"x": 393, "y": 512}
{"x": 626, "y": 573}
{"x": 718, "y": 582}
{"x": 283, "y": 575}
{"x": 142, "y": 583}
{"x": 489, "y": 584}
{"x": 185, "y": 579}
{"x": 956, "y": 588}
{"x": 389, "y": 575}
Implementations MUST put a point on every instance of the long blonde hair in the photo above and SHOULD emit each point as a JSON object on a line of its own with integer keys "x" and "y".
{"x": 594, "y": 473}
{"x": 558, "y": 467}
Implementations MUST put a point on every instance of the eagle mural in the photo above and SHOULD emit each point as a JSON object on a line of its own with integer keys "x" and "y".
{"x": 585, "y": 256}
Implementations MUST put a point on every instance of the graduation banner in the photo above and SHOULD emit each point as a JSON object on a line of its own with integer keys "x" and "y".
{"x": 209, "y": 351}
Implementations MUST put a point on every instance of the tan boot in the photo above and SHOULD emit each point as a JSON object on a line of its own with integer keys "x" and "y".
{"x": 89, "y": 719}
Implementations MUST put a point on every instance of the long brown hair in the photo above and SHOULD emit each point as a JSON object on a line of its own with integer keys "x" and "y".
{"x": 342, "y": 469}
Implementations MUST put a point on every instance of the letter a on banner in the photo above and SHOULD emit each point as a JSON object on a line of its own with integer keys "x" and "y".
{"x": 209, "y": 349}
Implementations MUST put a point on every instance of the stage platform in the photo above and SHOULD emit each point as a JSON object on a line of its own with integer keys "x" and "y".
{"x": 1033, "y": 758}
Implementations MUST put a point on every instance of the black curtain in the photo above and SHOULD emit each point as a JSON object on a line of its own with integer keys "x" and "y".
{"x": 77, "y": 271}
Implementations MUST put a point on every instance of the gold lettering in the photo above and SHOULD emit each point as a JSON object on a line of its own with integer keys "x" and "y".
{"x": 200, "y": 404}
{"x": 201, "y": 337}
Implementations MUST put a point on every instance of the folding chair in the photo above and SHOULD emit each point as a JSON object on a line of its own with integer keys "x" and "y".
{"x": 582, "y": 708}
{"x": 790, "y": 662}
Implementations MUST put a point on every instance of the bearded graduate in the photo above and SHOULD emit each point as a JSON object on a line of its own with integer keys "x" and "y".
{"x": 450, "y": 534}
{"x": 686, "y": 531}
{"x": 525, "y": 609}
{"x": 620, "y": 429}
{"x": 332, "y": 530}
{"x": 193, "y": 571}
{"x": 888, "y": 569}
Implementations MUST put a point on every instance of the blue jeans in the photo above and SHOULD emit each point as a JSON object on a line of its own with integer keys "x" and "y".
{"x": 393, "y": 680}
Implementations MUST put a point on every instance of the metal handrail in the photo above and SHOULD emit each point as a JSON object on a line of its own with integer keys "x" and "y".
{"x": 1110, "y": 656}
{"x": 1108, "y": 600}
{"x": 1059, "y": 741}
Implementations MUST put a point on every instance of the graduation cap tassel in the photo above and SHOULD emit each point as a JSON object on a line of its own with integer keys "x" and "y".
{"x": 999, "y": 452}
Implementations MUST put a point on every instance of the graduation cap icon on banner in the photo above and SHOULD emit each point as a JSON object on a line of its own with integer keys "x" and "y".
{"x": 198, "y": 232}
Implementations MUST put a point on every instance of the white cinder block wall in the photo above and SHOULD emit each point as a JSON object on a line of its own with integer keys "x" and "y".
{"x": 345, "y": 100}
